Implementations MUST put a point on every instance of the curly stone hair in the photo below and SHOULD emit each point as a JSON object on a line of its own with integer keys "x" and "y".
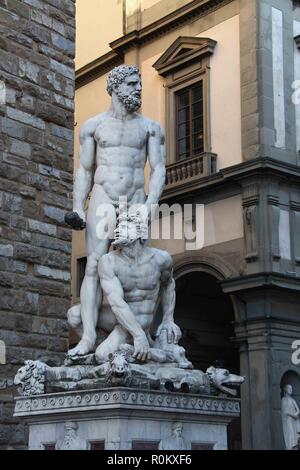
{"x": 118, "y": 75}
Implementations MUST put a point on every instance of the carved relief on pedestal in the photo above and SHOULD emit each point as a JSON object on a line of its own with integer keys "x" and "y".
{"x": 175, "y": 441}
{"x": 71, "y": 440}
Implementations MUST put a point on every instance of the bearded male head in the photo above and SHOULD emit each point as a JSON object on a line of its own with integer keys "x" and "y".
{"x": 125, "y": 82}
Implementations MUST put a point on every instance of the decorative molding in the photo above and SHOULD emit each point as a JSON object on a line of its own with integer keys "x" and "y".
{"x": 261, "y": 280}
{"x": 208, "y": 263}
{"x": 179, "y": 17}
{"x": 297, "y": 41}
{"x": 106, "y": 62}
{"x": 273, "y": 200}
{"x": 295, "y": 206}
{"x": 237, "y": 174}
{"x": 70, "y": 402}
{"x": 250, "y": 194}
{"x": 97, "y": 68}
{"x": 184, "y": 51}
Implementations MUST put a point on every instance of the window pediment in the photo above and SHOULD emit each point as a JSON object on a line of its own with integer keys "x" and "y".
{"x": 182, "y": 52}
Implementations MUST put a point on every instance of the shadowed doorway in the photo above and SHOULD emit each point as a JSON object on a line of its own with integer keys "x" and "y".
{"x": 206, "y": 317}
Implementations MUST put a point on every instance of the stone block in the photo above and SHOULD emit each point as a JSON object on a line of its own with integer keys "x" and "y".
{"x": 13, "y": 128}
{"x": 57, "y": 274}
{"x": 13, "y": 160}
{"x": 18, "y": 300}
{"x": 31, "y": 208}
{"x": 15, "y": 36}
{"x": 11, "y": 203}
{"x": 16, "y": 235}
{"x": 57, "y": 260}
{"x": 62, "y": 69}
{"x": 64, "y": 102}
{"x": 9, "y": 63}
{"x": 41, "y": 227}
{"x": 54, "y": 114}
{"x": 29, "y": 71}
{"x": 28, "y": 253}
{"x": 37, "y": 33}
{"x": 19, "y": 8}
{"x": 63, "y": 44}
{"x": 64, "y": 234}
{"x": 18, "y": 147}
{"x": 54, "y": 213}
{"x": 49, "y": 171}
{"x": 50, "y": 243}
{"x": 39, "y": 4}
{"x": 6, "y": 250}
{"x": 25, "y": 118}
{"x": 62, "y": 132}
{"x": 53, "y": 306}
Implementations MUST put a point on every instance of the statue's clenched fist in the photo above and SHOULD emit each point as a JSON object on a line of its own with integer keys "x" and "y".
{"x": 75, "y": 220}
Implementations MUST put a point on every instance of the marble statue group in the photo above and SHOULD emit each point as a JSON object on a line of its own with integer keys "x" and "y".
{"x": 125, "y": 319}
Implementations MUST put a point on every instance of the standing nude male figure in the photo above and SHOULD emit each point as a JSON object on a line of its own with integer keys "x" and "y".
{"x": 118, "y": 143}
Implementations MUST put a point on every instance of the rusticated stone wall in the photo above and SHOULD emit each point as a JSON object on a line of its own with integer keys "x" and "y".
{"x": 37, "y": 46}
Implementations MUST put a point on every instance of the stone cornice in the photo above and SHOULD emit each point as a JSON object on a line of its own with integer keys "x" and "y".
{"x": 261, "y": 280}
{"x": 236, "y": 174}
{"x": 173, "y": 20}
{"x": 124, "y": 398}
{"x": 98, "y": 67}
{"x": 103, "y": 64}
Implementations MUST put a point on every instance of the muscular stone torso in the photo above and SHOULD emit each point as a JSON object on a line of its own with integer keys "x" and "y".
{"x": 121, "y": 157}
{"x": 140, "y": 281}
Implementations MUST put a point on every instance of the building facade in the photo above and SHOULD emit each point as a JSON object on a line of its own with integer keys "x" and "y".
{"x": 221, "y": 77}
{"x": 37, "y": 81}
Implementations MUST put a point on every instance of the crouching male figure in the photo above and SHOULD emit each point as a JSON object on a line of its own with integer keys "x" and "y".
{"x": 135, "y": 279}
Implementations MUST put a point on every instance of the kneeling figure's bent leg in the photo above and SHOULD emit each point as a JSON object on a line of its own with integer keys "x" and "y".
{"x": 112, "y": 343}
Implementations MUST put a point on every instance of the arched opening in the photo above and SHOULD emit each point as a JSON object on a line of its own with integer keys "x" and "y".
{"x": 206, "y": 317}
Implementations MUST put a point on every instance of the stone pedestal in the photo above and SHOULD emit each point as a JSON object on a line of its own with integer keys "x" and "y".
{"x": 124, "y": 419}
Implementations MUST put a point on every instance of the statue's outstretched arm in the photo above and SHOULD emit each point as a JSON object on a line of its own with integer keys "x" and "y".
{"x": 84, "y": 174}
{"x": 157, "y": 157}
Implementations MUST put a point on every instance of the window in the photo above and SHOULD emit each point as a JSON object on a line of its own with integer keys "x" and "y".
{"x": 145, "y": 445}
{"x": 49, "y": 446}
{"x": 81, "y": 265}
{"x": 97, "y": 445}
{"x": 202, "y": 446}
{"x": 185, "y": 67}
{"x": 189, "y": 122}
